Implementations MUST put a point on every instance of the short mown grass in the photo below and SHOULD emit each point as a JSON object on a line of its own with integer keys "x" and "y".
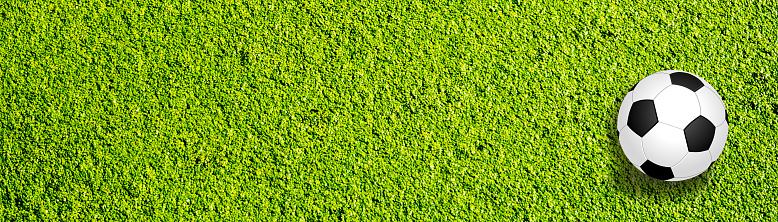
{"x": 342, "y": 110}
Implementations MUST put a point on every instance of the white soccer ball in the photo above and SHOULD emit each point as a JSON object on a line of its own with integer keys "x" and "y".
{"x": 672, "y": 125}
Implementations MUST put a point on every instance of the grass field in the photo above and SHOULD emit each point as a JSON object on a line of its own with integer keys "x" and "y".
{"x": 408, "y": 110}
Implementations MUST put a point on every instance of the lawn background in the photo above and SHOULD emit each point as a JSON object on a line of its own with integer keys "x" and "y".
{"x": 336, "y": 110}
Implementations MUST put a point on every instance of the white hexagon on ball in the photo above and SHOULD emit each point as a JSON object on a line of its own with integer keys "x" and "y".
{"x": 672, "y": 125}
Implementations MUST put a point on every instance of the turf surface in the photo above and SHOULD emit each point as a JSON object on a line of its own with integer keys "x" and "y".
{"x": 410, "y": 110}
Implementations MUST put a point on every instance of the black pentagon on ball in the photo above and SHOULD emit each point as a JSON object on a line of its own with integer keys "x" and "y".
{"x": 699, "y": 134}
{"x": 657, "y": 171}
{"x": 686, "y": 80}
{"x": 642, "y": 117}
{"x": 726, "y": 116}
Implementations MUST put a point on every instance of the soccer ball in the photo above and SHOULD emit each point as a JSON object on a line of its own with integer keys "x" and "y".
{"x": 672, "y": 125}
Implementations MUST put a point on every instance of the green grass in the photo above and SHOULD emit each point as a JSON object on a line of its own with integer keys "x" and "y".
{"x": 409, "y": 110}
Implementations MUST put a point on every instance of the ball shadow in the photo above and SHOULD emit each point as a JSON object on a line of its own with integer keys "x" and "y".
{"x": 629, "y": 181}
